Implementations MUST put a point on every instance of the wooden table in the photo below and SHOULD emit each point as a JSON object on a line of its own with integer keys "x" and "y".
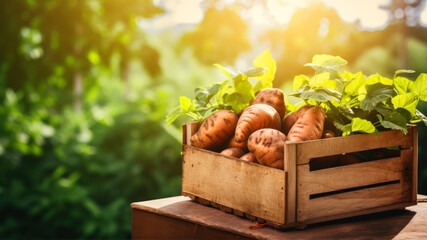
{"x": 181, "y": 218}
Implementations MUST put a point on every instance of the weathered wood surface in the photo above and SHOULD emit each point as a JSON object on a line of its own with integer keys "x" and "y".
{"x": 397, "y": 224}
{"x": 234, "y": 183}
{"x": 349, "y": 176}
{"x": 283, "y": 198}
{"x": 355, "y": 143}
{"x": 291, "y": 183}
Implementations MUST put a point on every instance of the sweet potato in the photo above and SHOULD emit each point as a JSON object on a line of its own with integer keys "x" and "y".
{"x": 329, "y": 129}
{"x": 215, "y": 130}
{"x": 256, "y": 117}
{"x": 233, "y": 144}
{"x": 273, "y": 97}
{"x": 250, "y": 157}
{"x": 268, "y": 146}
{"x": 233, "y": 152}
{"x": 309, "y": 126}
{"x": 291, "y": 118}
{"x": 328, "y": 134}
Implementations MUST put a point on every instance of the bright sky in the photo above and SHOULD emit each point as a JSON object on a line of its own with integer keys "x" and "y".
{"x": 190, "y": 12}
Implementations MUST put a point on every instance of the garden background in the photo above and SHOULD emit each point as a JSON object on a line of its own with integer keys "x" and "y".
{"x": 85, "y": 87}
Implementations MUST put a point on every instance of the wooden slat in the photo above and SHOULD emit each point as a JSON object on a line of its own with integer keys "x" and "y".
{"x": 251, "y": 188}
{"x": 291, "y": 182}
{"x": 414, "y": 131}
{"x": 355, "y": 201}
{"x": 189, "y": 130}
{"x": 349, "y": 176}
{"x": 355, "y": 143}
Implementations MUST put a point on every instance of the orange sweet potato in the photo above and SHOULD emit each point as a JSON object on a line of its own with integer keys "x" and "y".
{"x": 291, "y": 118}
{"x": 329, "y": 129}
{"x": 309, "y": 126}
{"x": 233, "y": 144}
{"x": 268, "y": 146}
{"x": 215, "y": 130}
{"x": 328, "y": 134}
{"x": 233, "y": 152}
{"x": 256, "y": 117}
{"x": 273, "y": 97}
{"x": 250, "y": 157}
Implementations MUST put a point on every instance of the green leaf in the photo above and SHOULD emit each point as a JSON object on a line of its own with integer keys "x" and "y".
{"x": 352, "y": 86}
{"x": 243, "y": 93}
{"x": 300, "y": 81}
{"x": 255, "y": 72}
{"x": 397, "y": 120}
{"x": 186, "y": 107}
{"x": 403, "y": 85}
{"x": 242, "y": 85}
{"x": 359, "y": 125}
{"x": 173, "y": 115}
{"x": 420, "y": 87}
{"x": 185, "y": 104}
{"x": 238, "y": 101}
{"x": 321, "y": 95}
{"x": 204, "y": 95}
{"x": 375, "y": 94}
{"x": 377, "y": 78}
{"x": 326, "y": 63}
{"x": 347, "y": 75}
{"x": 264, "y": 60}
{"x": 384, "y": 109}
{"x": 407, "y": 101}
{"x": 225, "y": 71}
{"x": 402, "y": 71}
{"x": 323, "y": 80}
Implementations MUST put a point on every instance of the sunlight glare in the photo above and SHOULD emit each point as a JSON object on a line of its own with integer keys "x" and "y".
{"x": 423, "y": 16}
{"x": 370, "y": 16}
{"x": 177, "y": 12}
{"x": 367, "y": 11}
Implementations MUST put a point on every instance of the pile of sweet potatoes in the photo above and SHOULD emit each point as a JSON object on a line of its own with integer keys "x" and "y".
{"x": 258, "y": 134}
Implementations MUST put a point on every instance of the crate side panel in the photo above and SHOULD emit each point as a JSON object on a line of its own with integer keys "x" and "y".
{"x": 350, "y": 176}
{"x": 254, "y": 189}
{"x": 348, "y": 144}
{"x": 356, "y": 201}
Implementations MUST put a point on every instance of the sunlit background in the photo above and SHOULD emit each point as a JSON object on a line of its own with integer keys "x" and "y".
{"x": 85, "y": 87}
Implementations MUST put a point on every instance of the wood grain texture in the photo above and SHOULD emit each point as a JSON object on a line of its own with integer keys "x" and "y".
{"x": 291, "y": 182}
{"x": 354, "y": 201}
{"x": 355, "y": 143}
{"x": 398, "y": 224}
{"x": 349, "y": 176}
{"x": 243, "y": 186}
{"x": 414, "y": 132}
{"x": 282, "y": 198}
{"x": 146, "y": 225}
{"x": 189, "y": 129}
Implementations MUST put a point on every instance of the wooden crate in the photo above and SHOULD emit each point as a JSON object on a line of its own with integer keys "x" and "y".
{"x": 296, "y": 196}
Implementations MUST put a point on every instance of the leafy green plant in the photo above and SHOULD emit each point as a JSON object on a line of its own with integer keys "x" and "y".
{"x": 359, "y": 104}
{"x": 235, "y": 93}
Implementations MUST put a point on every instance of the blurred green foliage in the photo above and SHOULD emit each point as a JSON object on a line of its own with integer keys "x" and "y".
{"x": 84, "y": 92}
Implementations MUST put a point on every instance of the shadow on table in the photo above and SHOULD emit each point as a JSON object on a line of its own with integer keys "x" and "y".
{"x": 385, "y": 225}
